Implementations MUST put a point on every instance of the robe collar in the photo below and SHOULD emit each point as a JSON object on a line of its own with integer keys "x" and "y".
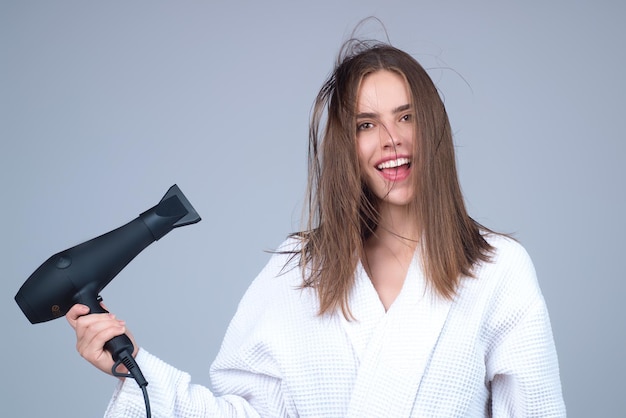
{"x": 392, "y": 348}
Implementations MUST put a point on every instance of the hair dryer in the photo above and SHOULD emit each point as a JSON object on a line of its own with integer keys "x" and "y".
{"x": 78, "y": 274}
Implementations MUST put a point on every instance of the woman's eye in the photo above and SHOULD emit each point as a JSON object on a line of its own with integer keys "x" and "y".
{"x": 406, "y": 118}
{"x": 365, "y": 125}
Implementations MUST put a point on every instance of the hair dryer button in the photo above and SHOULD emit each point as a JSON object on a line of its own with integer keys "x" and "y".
{"x": 63, "y": 262}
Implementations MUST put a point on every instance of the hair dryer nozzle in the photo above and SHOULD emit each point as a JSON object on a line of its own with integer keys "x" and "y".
{"x": 192, "y": 216}
{"x": 173, "y": 210}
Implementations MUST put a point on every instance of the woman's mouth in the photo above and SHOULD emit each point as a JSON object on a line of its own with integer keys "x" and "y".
{"x": 395, "y": 170}
{"x": 394, "y": 163}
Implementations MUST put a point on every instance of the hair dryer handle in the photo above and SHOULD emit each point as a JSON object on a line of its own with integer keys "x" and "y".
{"x": 120, "y": 347}
{"x": 115, "y": 345}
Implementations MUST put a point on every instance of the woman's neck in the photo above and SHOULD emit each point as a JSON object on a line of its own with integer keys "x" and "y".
{"x": 397, "y": 230}
{"x": 389, "y": 251}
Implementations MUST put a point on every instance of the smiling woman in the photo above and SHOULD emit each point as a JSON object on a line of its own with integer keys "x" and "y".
{"x": 392, "y": 301}
{"x": 385, "y": 137}
{"x": 381, "y": 106}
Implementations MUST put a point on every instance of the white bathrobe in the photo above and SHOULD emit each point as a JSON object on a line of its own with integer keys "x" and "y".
{"x": 489, "y": 352}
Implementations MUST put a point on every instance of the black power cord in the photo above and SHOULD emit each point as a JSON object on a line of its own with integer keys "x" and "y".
{"x": 126, "y": 358}
{"x": 121, "y": 349}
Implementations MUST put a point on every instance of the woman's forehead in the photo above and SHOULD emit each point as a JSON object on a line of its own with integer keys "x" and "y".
{"x": 382, "y": 91}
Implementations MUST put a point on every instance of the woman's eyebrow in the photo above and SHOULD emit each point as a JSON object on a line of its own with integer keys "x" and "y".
{"x": 402, "y": 108}
{"x": 371, "y": 115}
{"x": 367, "y": 115}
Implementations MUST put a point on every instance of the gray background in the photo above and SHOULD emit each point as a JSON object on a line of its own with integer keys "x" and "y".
{"x": 105, "y": 104}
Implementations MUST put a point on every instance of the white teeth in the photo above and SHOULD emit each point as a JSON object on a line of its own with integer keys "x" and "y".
{"x": 393, "y": 163}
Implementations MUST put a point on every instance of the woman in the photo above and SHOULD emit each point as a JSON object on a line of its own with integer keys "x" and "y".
{"x": 393, "y": 302}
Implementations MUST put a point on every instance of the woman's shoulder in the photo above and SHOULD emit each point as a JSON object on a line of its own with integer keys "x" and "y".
{"x": 292, "y": 244}
{"x": 286, "y": 257}
{"x": 507, "y": 251}
{"x": 510, "y": 272}
{"x": 281, "y": 271}
{"x": 273, "y": 292}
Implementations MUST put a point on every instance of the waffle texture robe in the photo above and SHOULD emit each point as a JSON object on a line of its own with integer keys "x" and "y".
{"x": 488, "y": 352}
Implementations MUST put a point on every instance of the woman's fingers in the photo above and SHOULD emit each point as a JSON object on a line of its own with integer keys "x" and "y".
{"x": 76, "y": 312}
{"x": 92, "y": 332}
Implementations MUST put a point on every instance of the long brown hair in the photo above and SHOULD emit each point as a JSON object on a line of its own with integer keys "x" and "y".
{"x": 342, "y": 212}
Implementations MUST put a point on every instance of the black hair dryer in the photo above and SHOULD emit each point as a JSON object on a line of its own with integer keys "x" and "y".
{"x": 78, "y": 274}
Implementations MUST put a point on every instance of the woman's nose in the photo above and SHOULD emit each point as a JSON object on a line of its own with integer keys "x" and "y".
{"x": 390, "y": 137}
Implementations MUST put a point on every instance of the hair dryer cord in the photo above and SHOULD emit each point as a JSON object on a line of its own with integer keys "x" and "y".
{"x": 134, "y": 371}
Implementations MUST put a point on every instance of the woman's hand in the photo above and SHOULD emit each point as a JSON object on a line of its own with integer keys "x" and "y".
{"x": 92, "y": 332}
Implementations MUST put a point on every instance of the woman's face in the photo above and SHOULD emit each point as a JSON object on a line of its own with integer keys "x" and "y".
{"x": 385, "y": 135}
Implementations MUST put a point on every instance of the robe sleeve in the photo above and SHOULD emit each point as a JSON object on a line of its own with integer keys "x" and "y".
{"x": 522, "y": 366}
{"x": 242, "y": 388}
{"x": 172, "y": 395}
